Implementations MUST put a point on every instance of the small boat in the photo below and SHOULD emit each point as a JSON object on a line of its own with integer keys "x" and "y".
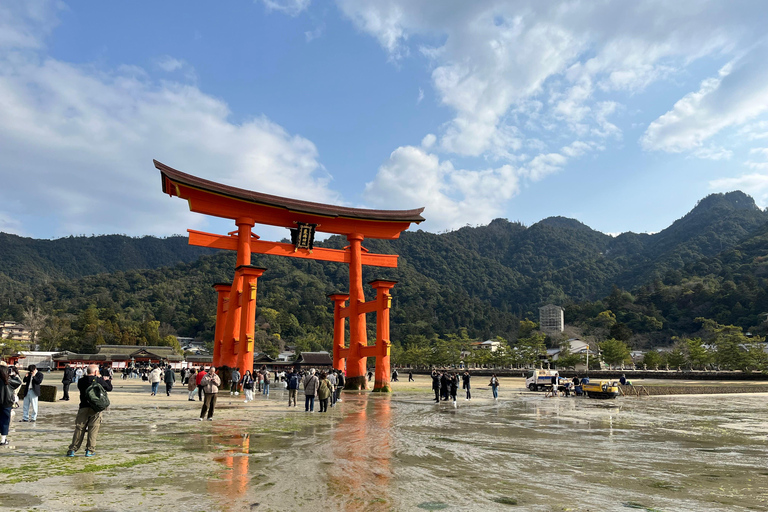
{"x": 601, "y": 389}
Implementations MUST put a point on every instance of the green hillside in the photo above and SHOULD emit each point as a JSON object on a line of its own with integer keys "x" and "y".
{"x": 475, "y": 281}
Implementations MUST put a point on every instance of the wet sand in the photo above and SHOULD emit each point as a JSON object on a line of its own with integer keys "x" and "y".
{"x": 397, "y": 452}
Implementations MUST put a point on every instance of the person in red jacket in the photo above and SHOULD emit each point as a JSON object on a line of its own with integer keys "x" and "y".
{"x": 198, "y": 381}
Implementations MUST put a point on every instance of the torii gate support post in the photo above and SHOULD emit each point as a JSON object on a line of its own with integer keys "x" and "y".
{"x": 243, "y": 347}
{"x": 222, "y": 305}
{"x": 339, "y": 352}
{"x": 383, "y": 343}
{"x": 358, "y": 338}
{"x": 234, "y": 311}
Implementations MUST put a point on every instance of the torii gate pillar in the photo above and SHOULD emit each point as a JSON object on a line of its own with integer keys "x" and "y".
{"x": 358, "y": 336}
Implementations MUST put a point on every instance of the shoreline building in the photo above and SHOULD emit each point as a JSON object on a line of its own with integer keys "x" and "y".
{"x": 15, "y": 331}
{"x": 551, "y": 319}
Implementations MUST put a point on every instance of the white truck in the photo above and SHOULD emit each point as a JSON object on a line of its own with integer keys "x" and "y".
{"x": 537, "y": 380}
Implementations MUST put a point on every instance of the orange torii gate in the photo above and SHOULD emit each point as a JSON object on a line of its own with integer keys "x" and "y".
{"x": 236, "y": 306}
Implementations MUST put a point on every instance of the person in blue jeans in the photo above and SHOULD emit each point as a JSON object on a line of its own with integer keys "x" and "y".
{"x": 311, "y": 383}
{"x": 494, "y": 386}
{"x": 265, "y": 376}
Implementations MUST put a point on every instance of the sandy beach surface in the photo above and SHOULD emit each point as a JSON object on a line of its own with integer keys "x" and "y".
{"x": 398, "y": 451}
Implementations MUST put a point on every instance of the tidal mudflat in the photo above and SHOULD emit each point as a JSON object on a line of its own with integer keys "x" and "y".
{"x": 398, "y": 452}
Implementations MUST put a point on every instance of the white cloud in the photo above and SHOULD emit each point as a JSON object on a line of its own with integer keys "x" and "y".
{"x": 81, "y": 141}
{"x": 289, "y": 7}
{"x": 428, "y": 141}
{"x": 495, "y": 58}
{"x": 421, "y": 96}
{"x": 737, "y": 95}
{"x": 755, "y": 184}
{"x": 713, "y": 153}
{"x": 456, "y": 197}
{"x": 169, "y": 64}
{"x": 311, "y": 35}
{"x": 452, "y": 197}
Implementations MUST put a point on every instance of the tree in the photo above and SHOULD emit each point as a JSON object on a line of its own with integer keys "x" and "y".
{"x": 653, "y": 359}
{"x": 733, "y": 350}
{"x": 614, "y": 352}
{"x": 697, "y": 354}
{"x": 34, "y": 320}
{"x": 530, "y": 348}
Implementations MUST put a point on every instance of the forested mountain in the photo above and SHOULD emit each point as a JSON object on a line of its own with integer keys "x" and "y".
{"x": 479, "y": 281}
{"x": 34, "y": 261}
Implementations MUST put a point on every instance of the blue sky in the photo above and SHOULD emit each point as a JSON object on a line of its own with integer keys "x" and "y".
{"x": 621, "y": 115}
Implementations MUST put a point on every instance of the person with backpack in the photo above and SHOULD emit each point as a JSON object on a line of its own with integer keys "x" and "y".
{"x": 293, "y": 386}
{"x": 93, "y": 400}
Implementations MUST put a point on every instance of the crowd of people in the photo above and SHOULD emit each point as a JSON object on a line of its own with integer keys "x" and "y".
{"x": 204, "y": 384}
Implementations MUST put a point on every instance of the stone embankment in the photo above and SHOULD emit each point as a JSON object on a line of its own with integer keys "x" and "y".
{"x": 690, "y": 390}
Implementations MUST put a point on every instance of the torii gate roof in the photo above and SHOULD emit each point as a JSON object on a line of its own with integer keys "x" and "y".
{"x": 211, "y": 198}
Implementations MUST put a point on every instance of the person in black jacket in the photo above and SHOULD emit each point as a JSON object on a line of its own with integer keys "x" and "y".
{"x": 31, "y": 387}
{"x": 87, "y": 419}
{"x": 444, "y": 381}
{"x": 69, "y": 376}
{"x": 465, "y": 384}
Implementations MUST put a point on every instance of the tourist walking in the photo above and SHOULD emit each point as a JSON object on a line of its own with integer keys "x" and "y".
{"x": 9, "y": 383}
{"x": 32, "y": 381}
{"x": 310, "y": 390}
{"x": 247, "y": 383}
{"x": 465, "y": 384}
{"x": 88, "y": 419}
{"x": 494, "y": 386}
{"x": 78, "y": 374}
{"x": 155, "y": 376}
{"x": 410, "y": 376}
{"x": 293, "y": 386}
{"x": 234, "y": 385}
{"x": 339, "y": 384}
{"x": 265, "y": 377}
{"x": 211, "y": 383}
{"x": 323, "y": 391}
{"x": 332, "y": 382}
{"x": 436, "y": 385}
{"x": 192, "y": 384}
{"x": 199, "y": 381}
{"x": 444, "y": 384}
{"x": 66, "y": 380}
{"x": 169, "y": 378}
{"x": 454, "y": 383}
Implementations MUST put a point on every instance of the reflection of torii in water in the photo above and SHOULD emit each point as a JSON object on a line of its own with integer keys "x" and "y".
{"x": 236, "y": 310}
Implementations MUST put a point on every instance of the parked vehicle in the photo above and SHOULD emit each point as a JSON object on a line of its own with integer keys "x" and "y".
{"x": 601, "y": 389}
{"x": 538, "y": 380}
